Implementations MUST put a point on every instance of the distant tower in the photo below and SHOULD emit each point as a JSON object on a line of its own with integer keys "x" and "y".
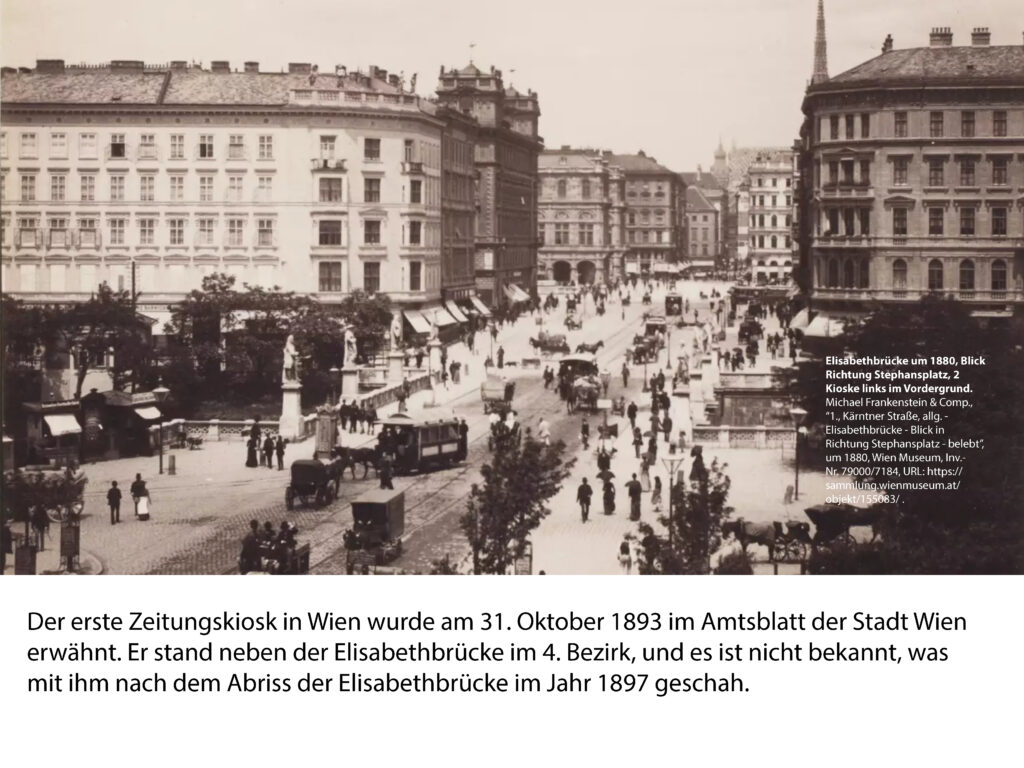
{"x": 720, "y": 168}
{"x": 820, "y": 74}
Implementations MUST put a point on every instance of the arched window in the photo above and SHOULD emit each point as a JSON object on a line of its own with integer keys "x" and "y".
{"x": 998, "y": 275}
{"x": 848, "y": 277}
{"x": 864, "y": 275}
{"x": 833, "y": 273}
{"x": 899, "y": 275}
{"x": 775, "y": 242}
{"x": 561, "y": 188}
{"x": 966, "y": 275}
{"x": 934, "y": 275}
{"x": 775, "y": 221}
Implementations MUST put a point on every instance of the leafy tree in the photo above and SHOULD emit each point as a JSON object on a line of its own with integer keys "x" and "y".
{"x": 518, "y": 482}
{"x": 693, "y": 526}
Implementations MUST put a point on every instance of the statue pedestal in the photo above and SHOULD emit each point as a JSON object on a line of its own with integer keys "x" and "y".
{"x": 349, "y": 382}
{"x": 326, "y": 432}
{"x": 291, "y": 411}
{"x": 434, "y": 352}
{"x": 396, "y": 365}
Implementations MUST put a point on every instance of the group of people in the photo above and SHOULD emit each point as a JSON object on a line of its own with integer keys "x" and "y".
{"x": 268, "y": 549}
{"x": 353, "y": 415}
{"x": 140, "y": 498}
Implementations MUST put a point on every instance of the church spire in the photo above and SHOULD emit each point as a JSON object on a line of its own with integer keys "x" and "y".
{"x": 820, "y": 74}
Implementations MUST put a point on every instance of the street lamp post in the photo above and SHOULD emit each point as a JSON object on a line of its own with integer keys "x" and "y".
{"x": 672, "y": 463}
{"x": 161, "y": 392}
{"x": 798, "y": 415}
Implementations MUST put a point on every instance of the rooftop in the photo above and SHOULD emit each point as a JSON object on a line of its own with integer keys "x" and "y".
{"x": 638, "y": 163}
{"x": 696, "y": 202}
{"x": 937, "y": 64}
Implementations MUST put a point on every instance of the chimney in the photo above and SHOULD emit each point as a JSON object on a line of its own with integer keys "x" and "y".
{"x": 887, "y": 45}
{"x": 941, "y": 37}
{"x": 49, "y": 66}
{"x": 252, "y": 66}
{"x": 981, "y": 36}
{"x": 393, "y": 80}
{"x": 220, "y": 66}
{"x": 179, "y": 65}
{"x": 299, "y": 69}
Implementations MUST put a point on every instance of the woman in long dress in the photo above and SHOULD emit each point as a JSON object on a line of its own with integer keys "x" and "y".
{"x": 609, "y": 497}
{"x": 142, "y": 501}
{"x": 250, "y": 455}
{"x": 656, "y": 496}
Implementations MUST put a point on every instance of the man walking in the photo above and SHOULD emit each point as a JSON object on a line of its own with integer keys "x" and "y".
{"x": 138, "y": 490}
{"x": 268, "y": 451}
{"x": 625, "y": 375}
{"x": 501, "y": 357}
{"x": 279, "y": 450}
{"x": 666, "y": 424}
{"x": 386, "y": 473}
{"x": 635, "y": 490}
{"x": 114, "y": 502}
{"x": 631, "y": 414}
{"x": 583, "y": 494}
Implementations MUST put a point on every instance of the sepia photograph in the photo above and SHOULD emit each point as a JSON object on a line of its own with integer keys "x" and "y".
{"x": 574, "y": 288}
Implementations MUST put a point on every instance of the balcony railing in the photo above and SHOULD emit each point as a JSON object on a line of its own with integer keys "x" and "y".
{"x": 410, "y": 167}
{"x": 1010, "y": 295}
{"x": 148, "y": 152}
{"x": 925, "y": 241}
{"x": 327, "y": 164}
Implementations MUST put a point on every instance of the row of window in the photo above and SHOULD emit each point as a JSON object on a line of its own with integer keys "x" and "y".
{"x": 968, "y": 172}
{"x": 330, "y": 276}
{"x": 330, "y": 190}
{"x": 851, "y": 222}
{"x": 854, "y": 273}
{"x": 584, "y": 234}
{"x": 761, "y": 221}
{"x": 936, "y": 125}
{"x": 116, "y": 147}
{"x": 29, "y": 233}
{"x": 771, "y": 241}
{"x": 775, "y": 182}
{"x": 770, "y": 201}
{"x": 562, "y": 188}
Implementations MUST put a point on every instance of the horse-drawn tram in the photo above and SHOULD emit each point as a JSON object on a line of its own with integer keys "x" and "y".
{"x": 375, "y": 538}
{"x": 420, "y": 445}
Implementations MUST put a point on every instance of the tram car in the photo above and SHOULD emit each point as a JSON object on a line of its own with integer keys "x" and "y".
{"x": 378, "y": 522}
{"x": 673, "y": 304}
{"x": 421, "y": 445}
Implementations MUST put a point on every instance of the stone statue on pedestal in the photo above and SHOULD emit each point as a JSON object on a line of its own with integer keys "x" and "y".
{"x": 396, "y": 332}
{"x": 350, "y": 347}
{"x": 291, "y": 360}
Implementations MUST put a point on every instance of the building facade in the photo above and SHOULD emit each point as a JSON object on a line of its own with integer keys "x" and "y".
{"x": 152, "y": 177}
{"x": 579, "y": 217}
{"x": 703, "y": 221}
{"x": 912, "y": 173}
{"x": 506, "y": 150}
{"x": 654, "y": 213}
{"x": 458, "y": 205}
{"x": 768, "y": 201}
{"x": 716, "y": 195}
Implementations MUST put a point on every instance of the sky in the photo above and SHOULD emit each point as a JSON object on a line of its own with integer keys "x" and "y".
{"x": 666, "y": 76}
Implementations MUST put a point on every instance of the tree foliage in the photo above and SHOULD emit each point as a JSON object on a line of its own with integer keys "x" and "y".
{"x": 518, "y": 482}
{"x": 693, "y": 526}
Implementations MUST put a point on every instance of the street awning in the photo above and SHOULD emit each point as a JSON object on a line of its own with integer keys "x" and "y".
{"x": 441, "y": 317}
{"x": 147, "y": 412}
{"x": 661, "y": 267}
{"x": 62, "y": 424}
{"x": 480, "y": 306}
{"x": 800, "y": 319}
{"x": 453, "y": 308}
{"x": 824, "y": 327}
{"x": 515, "y": 293}
{"x": 631, "y": 269}
{"x": 419, "y": 323}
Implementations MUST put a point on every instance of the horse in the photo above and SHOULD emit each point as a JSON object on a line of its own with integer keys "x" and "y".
{"x": 589, "y": 348}
{"x": 752, "y": 533}
{"x": 368, "y": 457}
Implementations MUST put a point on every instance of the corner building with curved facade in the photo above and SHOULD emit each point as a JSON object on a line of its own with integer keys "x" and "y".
{"x": 912, "y": 178}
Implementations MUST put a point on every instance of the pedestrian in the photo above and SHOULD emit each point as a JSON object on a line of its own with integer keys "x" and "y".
{"x": 583, "y": 494}
{"x": 638, "y": 440}
{"x": 6, "y": 544}
{"x": 652, "y": 448}
{"x": 370, "y": 417}
{"x": 463, "y": 439}
{"x": 609, "y": 497}
{"x": 250, "y": 452}
{"x": 250, "y": 557}
{"x": 279, "y": 450}
{"x": 666, "y": 424}
{"x": 385, "y": 472}
{"x": 40, "y": 525}
{"x": 635, "y": 490}
{"x": 544, "y": 431}
{"x": 419, "y": 357}
{"x": 501, "y": 357}
{"x": 656, "y": 496}
{"x": 585, "y": 433}
{"x": 343, "y": 414}
{"x": 625, "y": 375}
{"x": 353, "y": 417}
{"x": 138, "y": 491}
{"x": 631, "y": 414}
{"x": 453, "y": 369}
{"x": 114, "y": 502}
{"x": 268, "y": 452}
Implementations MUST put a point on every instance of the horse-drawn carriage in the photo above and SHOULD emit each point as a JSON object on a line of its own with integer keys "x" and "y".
{"x": 750, "y": 329}
{"x": 550, "y": 343}
{"x": 586, "y": 392}
{"x": 645, "y": 349}
{"x": 572, "y": 322}
{"x": 787, "y": 542}
{"x": 497, "y": 394}
{"x": 832, "y": 522}
{"x": 314, "y": 479}
{"x": 375, "y": 538}
{"x": 574, "y": 366}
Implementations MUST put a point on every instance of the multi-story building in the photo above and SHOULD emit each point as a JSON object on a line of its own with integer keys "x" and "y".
{"x": 579, "y": 217}
{"x": 912, "y": 170}
{"x": 767, "y": 194}
{"x": 458, "y": 205}
{"x": 154, "y": 176}
{"x": 702, "y": 228}
{"x": 716, "y": 195}
{"x": 655, "y": 213}
{"x": 506, "y": 150}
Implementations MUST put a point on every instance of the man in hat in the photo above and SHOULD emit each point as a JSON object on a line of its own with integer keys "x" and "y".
{"x": 583, "y": 495}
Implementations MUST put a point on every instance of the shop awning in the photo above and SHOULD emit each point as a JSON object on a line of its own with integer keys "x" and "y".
{"x": 824, "y": 327}
{"x": 62, "y": 424}
{"x": 147, "y": 412}
{"x": 631, "y": 269}
{"x": 662, "y": 267}
{"x": 419, "y": 323}
{"x": 480, "y": 306}
{"x": 800, "y": 319}
{"x": 453, "y": 308}
{"x": 441, "y": 317}
{"x": 515, "y": 293}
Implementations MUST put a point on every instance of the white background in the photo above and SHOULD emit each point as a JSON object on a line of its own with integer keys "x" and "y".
{"x": 963, "y": 712}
